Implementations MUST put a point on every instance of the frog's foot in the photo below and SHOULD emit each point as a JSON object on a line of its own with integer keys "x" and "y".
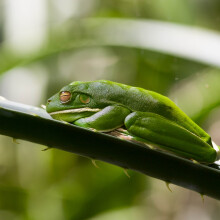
{"x": 118, "y": 134}
{"x": 125, "y": 136}
{"x": 122, "y": 130}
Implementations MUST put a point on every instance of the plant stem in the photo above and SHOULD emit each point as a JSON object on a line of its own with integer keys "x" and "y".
{"x": 21, "y": 122}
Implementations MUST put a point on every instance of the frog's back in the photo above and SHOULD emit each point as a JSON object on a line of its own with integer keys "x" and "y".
{"x": 135, "y": 98}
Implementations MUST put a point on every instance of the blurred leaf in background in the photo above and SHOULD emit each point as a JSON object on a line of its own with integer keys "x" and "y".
{"x": 48, "y": 44}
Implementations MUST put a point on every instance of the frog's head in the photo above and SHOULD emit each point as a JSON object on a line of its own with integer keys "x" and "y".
{"x": 75, "y": 101}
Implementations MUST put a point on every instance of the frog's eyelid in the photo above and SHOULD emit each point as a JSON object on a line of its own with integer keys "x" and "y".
{"x": 86, "y": 100}
{"x": 81, "y": 93}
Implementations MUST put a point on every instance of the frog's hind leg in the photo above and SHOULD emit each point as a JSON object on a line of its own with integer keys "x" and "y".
{"x": 168, "y": 135}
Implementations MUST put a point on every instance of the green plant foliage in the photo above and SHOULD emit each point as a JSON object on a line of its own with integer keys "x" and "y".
{"x": 171, "y": 47}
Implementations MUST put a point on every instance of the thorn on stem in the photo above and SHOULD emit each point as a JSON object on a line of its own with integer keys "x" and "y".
{"x": 15, "y": 141}
{"x": 202, "y": 196}
{"x": 195, "y": 161}
{"x": 126, "y": 173}
{"x": 94, "y": 163}
{"x": 168, "y": 186}
{"x": 151, "y": 147}
{"x": 47, "y": 148}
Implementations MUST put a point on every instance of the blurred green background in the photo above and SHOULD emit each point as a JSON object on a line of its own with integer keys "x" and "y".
{"x": 46, "y": 44}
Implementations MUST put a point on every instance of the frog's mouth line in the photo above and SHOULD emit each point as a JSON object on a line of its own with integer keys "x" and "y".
{"x": 76, "y": 110}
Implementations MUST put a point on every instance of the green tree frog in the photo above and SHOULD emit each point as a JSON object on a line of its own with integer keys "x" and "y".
{"x": 146, "y": 115}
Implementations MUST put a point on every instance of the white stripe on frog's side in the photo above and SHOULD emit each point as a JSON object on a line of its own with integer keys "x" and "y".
{"x": 76, "y": 110}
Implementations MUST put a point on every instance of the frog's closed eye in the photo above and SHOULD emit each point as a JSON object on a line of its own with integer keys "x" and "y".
{"x": 84, "y": 98}
{"x": 65, "y": 96}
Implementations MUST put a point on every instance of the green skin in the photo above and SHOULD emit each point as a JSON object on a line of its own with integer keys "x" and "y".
{"x": 147, "y": 116}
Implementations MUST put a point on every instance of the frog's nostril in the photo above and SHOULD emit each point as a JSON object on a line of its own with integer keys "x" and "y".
{"x": 49, "y": 100}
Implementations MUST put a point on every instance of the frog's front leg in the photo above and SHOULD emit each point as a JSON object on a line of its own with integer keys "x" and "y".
{"x": 108, "y": 119}
{"x": 168, "y": 135}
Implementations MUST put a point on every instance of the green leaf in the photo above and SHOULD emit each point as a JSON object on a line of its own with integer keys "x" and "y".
{"x": 186, "y": 42}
